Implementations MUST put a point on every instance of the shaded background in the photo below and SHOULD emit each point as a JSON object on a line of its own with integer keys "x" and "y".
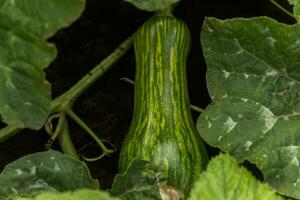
{"x": 107, "y": 106}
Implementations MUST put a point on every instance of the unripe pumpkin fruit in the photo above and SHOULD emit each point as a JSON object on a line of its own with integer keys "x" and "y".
{"x": 162, "y": 130}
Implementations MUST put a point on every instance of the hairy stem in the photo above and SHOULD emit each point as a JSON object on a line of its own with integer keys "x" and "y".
{"x": 65, "y": 141}
{"x": 9, "y": 131}
{"x": 283, "y": 9}
{"x": 67, "y": 99}
{"x": 57, "y": 131}
{"x": 89, "y": 131}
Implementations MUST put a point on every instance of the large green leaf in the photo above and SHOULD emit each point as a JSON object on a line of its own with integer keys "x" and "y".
{"x": 143, "y": 181}
{"x": 152, "y": 5}
{"x": 24, "y": 53}
{"x": 253, "y": 78}
{"x": 83, "y": 194}
{"x": 224, "y": 179}
{"x": 46, "y": 171}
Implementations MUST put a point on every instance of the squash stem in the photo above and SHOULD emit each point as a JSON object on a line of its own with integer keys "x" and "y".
{"x": 89, "y": 131}
{"x": 283, "y": 9}
{"x": 10, "y": 131}
{"x": 82, "y": 85}
{"x": 57, "y": 131}
{"x": 168, "y": 11}
{"x": 65, "y": 141}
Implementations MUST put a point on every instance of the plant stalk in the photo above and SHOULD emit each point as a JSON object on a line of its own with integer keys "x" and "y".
{"x": 283, "y": 9}
{"x": 87, "y": 129}
{"x": 67, "y": 99}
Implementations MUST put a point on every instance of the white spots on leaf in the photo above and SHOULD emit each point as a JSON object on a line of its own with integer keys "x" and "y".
{"x": 271, "y": 41}
{"x": 210, "y": 30}
{"x": 209, "y": 125}
{"x": 27, "y": 103}
{"x": 269, "y": 119}
{"x": 292, "y": 83}
{"x": 247, "y": 145}
{"x": 220, "y": 138}
{"x": 32, "y": 170}
{"x": 286, "y": 118}
{"x": 295, "y": 161}
{"x": 267, "y": 29}
{"x": 39, "y": 184}
{"x": 281, "y": 93}
{"x": 244, "y": 100}
{"x": 225, "y": 74}
{"x": 239, "y": 52}
{"x": 269, "y": 123}
{"x": 271, "y": 73}
{"x": 264, "y": 156}
{"x": 19, "y": 172}
{"x": 296, "y": 182}
{"x": 10, "y": 85}
{"x": 246, "y": 76}
{"x": 225, "y": 96}
{"x": 229, "y": 124}
{"x": 56, "y": 167}
{"x": 52, "y": 158}
{"x": 14, "y": 190}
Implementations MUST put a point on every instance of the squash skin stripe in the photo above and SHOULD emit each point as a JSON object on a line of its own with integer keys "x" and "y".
{"x": 162, "y": 130}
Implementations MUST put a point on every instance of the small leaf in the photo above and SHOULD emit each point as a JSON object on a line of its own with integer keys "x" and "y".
{"x": 253, "y": 78}
{"x": 83, "y": 194}
{"x": 46, "y": 171}
{"x": 224, "y": 179}
{"x": 140, "y": 181}
{"x": 24, "y": 53}
{"x": 152, "y": 5}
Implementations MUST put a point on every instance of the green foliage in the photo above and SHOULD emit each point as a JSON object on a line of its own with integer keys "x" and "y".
{"x": 152, "y": 5}
{"x": 25, "y": 53}
{"x": 224, "y": 179}
{"x": 46, "y": 171}
{"x": 84, "y": 194}
{"x": 140, "y": 181}
{"x": 253, "y": 78}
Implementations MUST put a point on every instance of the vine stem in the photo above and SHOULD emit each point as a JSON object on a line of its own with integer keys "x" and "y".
{"x": 65, "y": 141}
{"x": 283, "y": 9}
{"x": 57, "y": 131}
{"x": 89, "y": 131}
{"x": 67, "y": 99}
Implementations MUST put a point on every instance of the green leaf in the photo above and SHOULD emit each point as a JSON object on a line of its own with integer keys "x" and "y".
{"x": 140, "y": 181}
{"x": 143, "y": 181}
{"x": 253, "y": 78}
{"x": 46, "y": 171}
{"x": 83, "y": 194}
{"x": 25, "y": 53}
{"x": 224, "y": 179}
{"x": 152, "y": 5}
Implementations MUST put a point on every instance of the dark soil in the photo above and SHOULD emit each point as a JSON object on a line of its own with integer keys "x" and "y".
{"x": 107, "y": 106}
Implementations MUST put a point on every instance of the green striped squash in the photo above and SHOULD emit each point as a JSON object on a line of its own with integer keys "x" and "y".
{"x": 162, "y": 129}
